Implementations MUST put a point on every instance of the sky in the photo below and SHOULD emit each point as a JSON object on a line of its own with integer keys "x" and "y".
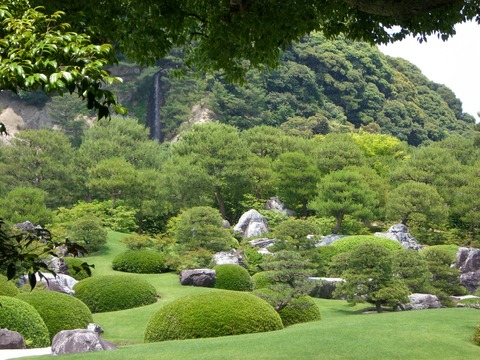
{"x": 454, "y": 63}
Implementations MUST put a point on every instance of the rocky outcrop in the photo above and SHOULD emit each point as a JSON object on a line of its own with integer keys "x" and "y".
{"x": 11, "y": 340}
{"x": 262, "y": 244}
{"x": 468, "y": 262}
{"x": 198, "y": 277}
{"x": 421, "y": 302}
{"x": 78, "y": 341}
{"x": 228, "y": 257}
{"x": 57, "y": 265}
{"x": 251, "y": 224}
{"x": 324, "y": 287}
{"x": 276, "y": 204}
{"x": 60, "y": 282}
{"x": 399, "y": 232}
{"x": 329, "y": 239}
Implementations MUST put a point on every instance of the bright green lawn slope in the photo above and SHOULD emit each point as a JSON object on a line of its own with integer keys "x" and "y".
{"x": 343, "y": 333}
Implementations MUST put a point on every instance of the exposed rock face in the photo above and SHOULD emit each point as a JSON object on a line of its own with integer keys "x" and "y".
{"x": 77, "y": 341}
{"x": 61, "y": 282}
{"x": 11, "y": 340}
{"x": 324, "y": 287}
{"x": 276, "y": 204}
{"x": 263, "y": 244}
{"x": 251, "y": 224}
{"x": 329, "y": 239}
{"x": 95, "y": 328}
{"x": 198, "y": 277}
{"x": 228, "y": 257}
{"x": 421, "y": 302}
{"x": 399, "y": 232}
{"x": 58, "y": 265}
{"x": 468, "y": 262}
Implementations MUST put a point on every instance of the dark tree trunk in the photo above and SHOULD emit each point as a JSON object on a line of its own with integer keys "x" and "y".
{"x": 339, "y": 223}
{"x": 221, "y": 203}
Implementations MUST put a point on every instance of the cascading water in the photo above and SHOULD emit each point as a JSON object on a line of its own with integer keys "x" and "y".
{"x": 155, "y": 103}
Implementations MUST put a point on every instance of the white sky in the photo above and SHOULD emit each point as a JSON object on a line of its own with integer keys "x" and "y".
{"x": 455, "y": 63}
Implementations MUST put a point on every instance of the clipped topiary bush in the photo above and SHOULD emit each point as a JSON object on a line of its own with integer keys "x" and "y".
{"x": 232, "y": 277}
{"x": 17, "y": 315}
{"x": 114, "y": 292}
{"x": 59, "y": 311}
{"x": 218, "y": 313}
{"x": 260, "y": 280}
{"x": 7, "y": 288}
{"x": 300, "y": 310}
{"x": 75, "y": 268}
{"x": 139, "y": 261}
{"x": 476, "y": 336}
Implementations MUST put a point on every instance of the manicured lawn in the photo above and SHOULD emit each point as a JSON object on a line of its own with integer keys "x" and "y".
{"x": 343, "y": 333}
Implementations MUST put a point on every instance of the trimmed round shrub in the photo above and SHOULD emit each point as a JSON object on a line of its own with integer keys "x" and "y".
{"x": 450, "y": 249}
{"x": 218, "y": 313}
{"x": 17, "y": 315}
{"x": 74, "y": 264}
{"x": 114, "y": 292}
{"x": 7, "y": 288}
{"x": 139, "y": 261}
{"x": 476, "y": 336}
{"x": 260, "y": 280}
{"x": 300, "y": 310}
{"x": 59, "y": 311}
{"x": 232, "y": 277}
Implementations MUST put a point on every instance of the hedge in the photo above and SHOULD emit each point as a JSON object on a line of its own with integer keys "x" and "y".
{"x": 218, "y": 313}
{"x": 7, "y": 288}
{"x": 114, "y": 292}
{"x": 59, "y": 311}
{"x": 139, "y": 261}
{"x": 300, "y": 310}
{"x": 232, "y": 277}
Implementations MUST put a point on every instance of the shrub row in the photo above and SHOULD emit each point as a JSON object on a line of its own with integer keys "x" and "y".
{"x": 139, "y": 261}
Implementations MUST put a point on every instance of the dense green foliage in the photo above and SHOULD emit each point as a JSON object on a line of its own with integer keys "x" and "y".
{"x": 76, "y": 269}
{"x": 17, "y": 315}
{"x": 261, "y": 281}
{"x": 114, "y": 292}
{"x": 232, "y": 277}
{"x": 59, "y": 311}
{"x": 7, "y": 287}
{"x": 218, "y": 313}
{"x": 476, "y": 336}
{"x": 88, "y": 232}
{"x": 139, "y": 261}
{"x": 300, "y": 310}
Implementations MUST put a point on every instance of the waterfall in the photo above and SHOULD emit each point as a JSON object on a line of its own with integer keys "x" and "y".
{"x": 156, "y": 101}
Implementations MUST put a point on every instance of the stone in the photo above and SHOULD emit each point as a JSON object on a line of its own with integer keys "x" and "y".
{"x": 251, "y": 224}
{"x": 78, "y": 341}
{"x": 95, "y": 328}
{"x": 229, "y": 257}
{"x": 399, "y": 232}
{"x": 421, "y": 302}
{"x": 468, "y": 262}
{"x": 276, "y": 204}
{"x": 60, "y": 282}
{"x": 198, "y": 277}
{"x": 58, "y": 265}
{"x": 324, "y": 287}
{"x": 329, "y": 239}
{"x": 11, "y": 340}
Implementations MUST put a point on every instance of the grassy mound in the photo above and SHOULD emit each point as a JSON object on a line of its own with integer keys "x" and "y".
{"x": 75, "y": 268}
{"x": 214, "y": 314}
{"x": 232, "y": 277}
{"x": 114, "y": 292}
{"x": 139, "y": 261}
{"x": 7, "y": 288}
{"x": 59, "y": 311}
{"x": 300, "y": 310}
{"x": 17, "y": 315}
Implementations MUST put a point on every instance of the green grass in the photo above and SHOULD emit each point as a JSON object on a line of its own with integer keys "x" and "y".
{"x": 343, "y": 333}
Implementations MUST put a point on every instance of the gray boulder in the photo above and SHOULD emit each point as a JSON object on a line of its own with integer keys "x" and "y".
{"x": 58, "y": 265}
{"x": 11, "y": 340}
{"x": 95, "y": 328}
{"x": 324, "y": 287}
{"x": 399, "y": 232}
{"x": 329, "y": 239}
{"x": 468, "y": 262}
{"x": 421, "y": 302}
{"x": 78, "y": 341}
{"x": 198, "y": 277}
{"x": 251, "y": 224}
{"x": 60, "y": 282}
{"x": 228, "y": 257}
{"x": 276, "y": 204}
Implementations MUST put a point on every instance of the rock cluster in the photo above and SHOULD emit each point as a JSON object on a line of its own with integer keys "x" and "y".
{"x": 399, "y": 232}
{"x": 198, "y": 277}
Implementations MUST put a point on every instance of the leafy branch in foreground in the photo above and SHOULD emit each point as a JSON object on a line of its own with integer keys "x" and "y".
{"x": 38, "y": 52}
{"x": 24, "y": 253}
